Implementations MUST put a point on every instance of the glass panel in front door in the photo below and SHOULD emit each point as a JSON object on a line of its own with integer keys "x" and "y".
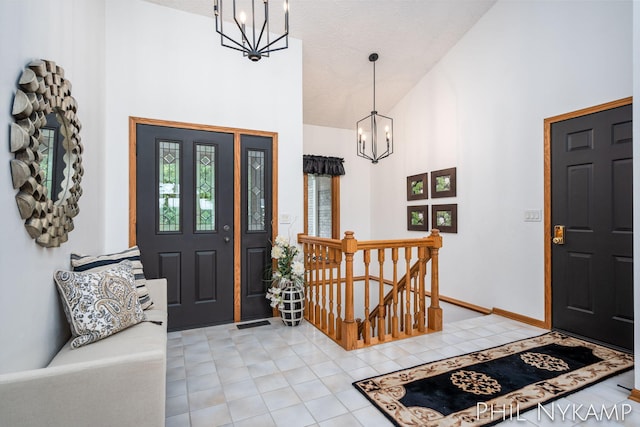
{"x": 205, "y": 187}
{"x": 169, "y": 186}
{"x": 255, "y": 195}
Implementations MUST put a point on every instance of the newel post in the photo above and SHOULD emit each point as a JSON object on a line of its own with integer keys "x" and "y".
{"x": 307, "y": 276}
{"x": 349, "y": 325}
{"x": 434, "y": 313}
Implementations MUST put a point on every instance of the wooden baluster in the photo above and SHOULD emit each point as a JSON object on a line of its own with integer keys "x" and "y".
{"x": 421, "y": 294}
{"x": 323, "y": 311}
{"x": 316, "y": 287}
{"x": 435, "y": 312}
{"x": 316, "y": 314}
{"x": 307, "y": 276}
{"x": 366, "y": 330}
{"x": 339, "y": 297}
{"x": 388, "y": 318}
{"x": 349, "y": 326}
{"x": 310, "y": 284}
{"x": 416, "y": 302}
{"x": 401, "y": 305}
{"x": 381, "y": 307}
{"x": 408, "y": 325}
{"x": 394, "y": 319}
{"x": 332, "y": 317}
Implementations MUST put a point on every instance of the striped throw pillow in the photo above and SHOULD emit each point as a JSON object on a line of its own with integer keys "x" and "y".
{"x": 89, "y": 263}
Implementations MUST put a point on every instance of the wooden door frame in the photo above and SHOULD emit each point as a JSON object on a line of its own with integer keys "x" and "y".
{"x": 237, "y": 190}
{"x": 547, "y": 192}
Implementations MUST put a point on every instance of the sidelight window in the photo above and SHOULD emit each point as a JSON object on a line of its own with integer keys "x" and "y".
{"x": 256, "y": 190}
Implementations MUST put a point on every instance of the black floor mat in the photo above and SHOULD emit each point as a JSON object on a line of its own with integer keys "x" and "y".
{"x": 253, "y": 324}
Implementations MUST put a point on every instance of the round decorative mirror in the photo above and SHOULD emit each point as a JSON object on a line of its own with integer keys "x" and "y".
{"x": 47, "y": 168}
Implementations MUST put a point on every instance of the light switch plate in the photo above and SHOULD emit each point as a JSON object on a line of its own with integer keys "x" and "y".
{"x": 284, "y": 218}
{"x": 534, "y": 215}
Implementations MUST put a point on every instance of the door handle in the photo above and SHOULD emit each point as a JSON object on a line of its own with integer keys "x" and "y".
{"x": 227, "y": 239}
{"x": 558, "y": 235}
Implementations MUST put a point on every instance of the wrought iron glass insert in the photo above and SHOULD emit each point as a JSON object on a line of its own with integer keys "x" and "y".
{"x": 256, "y": 190}
{"x": 46, "y": 149}
{"x": 205, "y": 187}
{"x": 169, "y": 186}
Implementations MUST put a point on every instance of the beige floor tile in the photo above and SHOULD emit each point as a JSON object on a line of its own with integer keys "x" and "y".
{"x": 282, "y": 376}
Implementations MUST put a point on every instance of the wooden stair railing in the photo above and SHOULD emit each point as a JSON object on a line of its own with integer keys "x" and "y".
{"x": 398, "y": 313}
{"x": 388, "y": 299}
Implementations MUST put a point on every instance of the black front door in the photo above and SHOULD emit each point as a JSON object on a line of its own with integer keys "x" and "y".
{"x": 592, "y": 270}
{"x": 185, "y": 220}
{"x": 256, "y": 219}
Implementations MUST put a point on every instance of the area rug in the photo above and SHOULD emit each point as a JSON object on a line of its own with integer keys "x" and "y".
{"x": 494, "y": 385}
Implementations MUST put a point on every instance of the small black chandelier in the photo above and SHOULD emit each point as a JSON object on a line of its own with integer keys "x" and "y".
{"x": 256, "y": 43}
{"x": 375, "y": 128}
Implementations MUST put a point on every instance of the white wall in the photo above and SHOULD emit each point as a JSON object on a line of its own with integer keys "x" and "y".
{"x": 355, "y": 185}
{"x": 481, "y": 109}
{"x": 169, "y": 65}
{"x": 70, "y": 32}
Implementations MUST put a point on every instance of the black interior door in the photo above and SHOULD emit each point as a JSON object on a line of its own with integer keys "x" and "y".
{"x": 256, "y": 208}
{"x": 185, "y": 199}
{"x": 592, "y": 272}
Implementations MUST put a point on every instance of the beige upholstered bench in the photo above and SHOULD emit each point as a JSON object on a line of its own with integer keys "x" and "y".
{"x": 117, "y": 381}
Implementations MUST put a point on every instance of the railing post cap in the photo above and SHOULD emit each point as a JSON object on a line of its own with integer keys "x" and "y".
{"x": 349, "y": 243}
{"x": 435, "y": 235}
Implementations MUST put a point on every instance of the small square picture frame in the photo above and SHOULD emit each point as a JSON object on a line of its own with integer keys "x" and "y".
{"x": 443, "y": 183}
{"x": 445, "y": 218}
{"x": 418, "y": 218}
{"x": 417, "y": 187}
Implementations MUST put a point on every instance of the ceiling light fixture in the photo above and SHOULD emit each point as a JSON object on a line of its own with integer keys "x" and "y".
{"x": 256, "y": 43}
{"x": 374, "y": 128}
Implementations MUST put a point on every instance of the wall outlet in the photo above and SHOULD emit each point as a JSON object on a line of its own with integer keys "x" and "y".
{"x": 533, "y": 215}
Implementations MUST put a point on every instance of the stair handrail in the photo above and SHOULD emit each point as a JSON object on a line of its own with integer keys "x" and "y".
{"x": 402, "y": 283}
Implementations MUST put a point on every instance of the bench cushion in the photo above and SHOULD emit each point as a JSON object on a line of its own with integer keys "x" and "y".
{"x": 143, "y": 337}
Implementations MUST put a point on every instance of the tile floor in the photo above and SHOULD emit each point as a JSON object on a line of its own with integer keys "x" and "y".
{"x": 295, "y": 376}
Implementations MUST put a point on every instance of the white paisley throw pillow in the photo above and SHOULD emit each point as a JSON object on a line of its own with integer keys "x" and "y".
{"x": 99, "y": 304}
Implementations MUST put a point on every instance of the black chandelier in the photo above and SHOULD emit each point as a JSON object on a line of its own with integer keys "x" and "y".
{"x": 375, "y": 128}
{"x": 256, "y": 42}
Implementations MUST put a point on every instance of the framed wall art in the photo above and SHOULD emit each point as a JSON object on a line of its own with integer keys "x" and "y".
{"x": 445, "y": 218}
{"x": 417, "y": 187}
{"x": 418, "y": 218}
{"x": 443, "y": 183}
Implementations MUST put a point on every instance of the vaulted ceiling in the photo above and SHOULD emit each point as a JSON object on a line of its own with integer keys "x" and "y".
{"x": 410, "y": 36}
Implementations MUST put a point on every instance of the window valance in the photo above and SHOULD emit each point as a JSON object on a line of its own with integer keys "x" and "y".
{"x": 322, "y": 165}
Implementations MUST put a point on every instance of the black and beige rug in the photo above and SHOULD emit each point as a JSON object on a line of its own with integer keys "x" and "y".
{"x": 493, "y": 385}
